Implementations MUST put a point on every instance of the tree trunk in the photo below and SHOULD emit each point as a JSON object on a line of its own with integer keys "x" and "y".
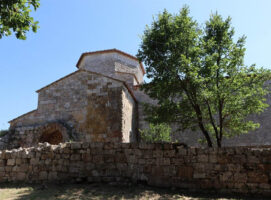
{"x": 206, "y": 134}
{"x": 219, "y": 142}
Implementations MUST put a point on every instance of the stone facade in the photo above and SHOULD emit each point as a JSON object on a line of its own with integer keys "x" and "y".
{"x": 101, "y": 102}
{"x": 95, "y": 103}
{"x": 243, "y": 170}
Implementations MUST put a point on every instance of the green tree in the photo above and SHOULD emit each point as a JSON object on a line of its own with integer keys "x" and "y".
{"x": 198, "y": 76}
{"x": 156, "y": 133}
{"x": 15, "y": 17}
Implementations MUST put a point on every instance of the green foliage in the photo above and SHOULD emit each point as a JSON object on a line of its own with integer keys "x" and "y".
{"x": 199, "y": 78}
{"x": 156, "y": 133}
{"x": 3, "y": 132}
{"x": 15, "y": 17}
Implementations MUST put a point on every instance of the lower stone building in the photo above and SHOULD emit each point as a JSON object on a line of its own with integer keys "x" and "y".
{"x": 101, "y": 102}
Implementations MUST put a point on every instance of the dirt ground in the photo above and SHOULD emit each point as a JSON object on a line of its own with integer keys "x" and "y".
{"x": 97, "y": 191}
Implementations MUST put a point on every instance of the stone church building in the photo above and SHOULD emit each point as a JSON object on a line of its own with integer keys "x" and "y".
{"x": 101, "y": 102}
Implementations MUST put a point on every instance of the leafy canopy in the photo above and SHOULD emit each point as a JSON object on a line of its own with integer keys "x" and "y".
{"x": 198, "y": 76}
{"x": 156, "y": 133}
{"x": 15, "y": 17}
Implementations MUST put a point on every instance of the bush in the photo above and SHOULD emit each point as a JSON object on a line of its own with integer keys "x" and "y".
{"x": 3, "y": 132}
{"x": 156, "y": 133}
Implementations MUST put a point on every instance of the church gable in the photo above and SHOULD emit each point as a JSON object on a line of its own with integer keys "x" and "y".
{"x": 89, "y": 103}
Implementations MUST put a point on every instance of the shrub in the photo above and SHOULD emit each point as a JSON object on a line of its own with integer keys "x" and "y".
{"x": 156, "y": 133}
{"x": 3, "y": 132}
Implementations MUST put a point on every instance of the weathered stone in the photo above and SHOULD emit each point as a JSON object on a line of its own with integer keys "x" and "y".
{"x": 146, "y": 146}
{"x": 226, "y": 176}
{"x": 256, "y": 177}
{"x": 185, "y": 172}
{"x": 75, "y": 145}
{"x": 11, "y": 162}
{"x": 163, "y": 161}
{"x": 169, "y": 153}
{"x": 240, "y": 177}
{"x": 197, "y": 169}
{"x": 43, "y": 175}
{"x": 75, "y": 157}
{"x": 34, "y": 161}
{"x": 203, "y": 158}
{"x": 157, "y": 153}
{"x": 20, "y": 176}
{"x": 199, "y": 175}
{"x": 213, "y": 158}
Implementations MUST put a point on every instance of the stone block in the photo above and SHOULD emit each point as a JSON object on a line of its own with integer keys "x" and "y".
{"x": 11, "y": 162}
{"x": 21, "y": 176}
{"x": 75, "y": 157}
{"x": 264, "y": 186}
{"x": 2, "y": 169}
{"x": 226, "y": 176}
{"x": 87, "y": 157}
{"x": 213, "y": 158}
{"x": 182, "y": 151}
{"x": 43, "y": 175}
{"x": 169, "y": 153}
{"x": 185, "y": 172}
{"x": 34, "y": 161}
{"x": 2, "y": 163}
{"x": 109, "y": 159}
{"x": 157, "y": 153}
{"x": 18, "y": 161}
{"x": 162, "y": 161}
{"x": 85, "y": 145}
{"x": 169, "y": 171}
{"x": 146, "y": 146}
{"x": 177, "y": 161}
{"x": 48, "y": 162}
{"x": 257, "y": 177}
{"x": 253, "y": 159}
{"x": 157, "y": 171}
{"x": 75, "y": 145}
{"x": 95, "y": 173}
{"x": 240, "y": 177}
{"x": 98, "y": 159}
{"x": 199, "y": 175}
{"x": 202, "y": 158}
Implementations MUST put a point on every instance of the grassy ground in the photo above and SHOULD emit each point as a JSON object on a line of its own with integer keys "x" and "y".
{"x": 94, "y": 191}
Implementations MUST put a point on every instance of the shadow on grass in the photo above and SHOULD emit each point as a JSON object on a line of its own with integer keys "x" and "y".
{"x": 99, "y": 191}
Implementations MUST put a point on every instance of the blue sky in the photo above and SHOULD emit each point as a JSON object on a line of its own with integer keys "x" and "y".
{"x": 68, "y": 29}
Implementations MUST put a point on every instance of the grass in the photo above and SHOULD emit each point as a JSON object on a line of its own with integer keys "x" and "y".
{"x": 95, "y": 192}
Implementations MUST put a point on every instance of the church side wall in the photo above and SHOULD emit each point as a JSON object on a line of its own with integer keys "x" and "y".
{"x": 65, "y": 100}
{"x": 129, "y": 117}
{"x": 89, "y": 105}
{"x": 103, "y": 119}
{"x": 260, "y": 136}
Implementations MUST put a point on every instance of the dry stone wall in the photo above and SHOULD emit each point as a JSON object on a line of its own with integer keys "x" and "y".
{"x": 242, "y": 170}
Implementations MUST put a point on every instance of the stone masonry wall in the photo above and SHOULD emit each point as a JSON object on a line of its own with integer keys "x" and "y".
{"x": 260, "y": 136}
{"x": 110, "y": 64}
{"x": 129, "y": 118}
{"x": 87, "y": 102}
{"x": 228, "y": 170}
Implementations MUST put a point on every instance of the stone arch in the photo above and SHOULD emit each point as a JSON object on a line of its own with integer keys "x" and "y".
{"x": 53, "y": 133}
